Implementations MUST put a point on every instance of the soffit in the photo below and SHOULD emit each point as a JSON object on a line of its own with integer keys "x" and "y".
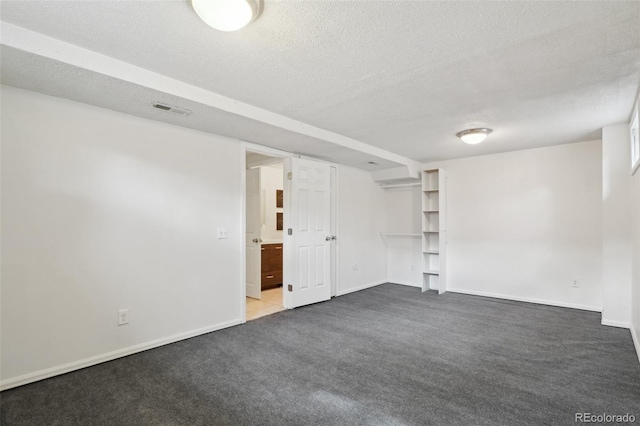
{"x": 403, "y": 76}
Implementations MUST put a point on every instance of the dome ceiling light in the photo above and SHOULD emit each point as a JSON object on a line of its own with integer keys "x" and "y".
{"x": 474, "y": 136}
{"x": 227, "y": 15}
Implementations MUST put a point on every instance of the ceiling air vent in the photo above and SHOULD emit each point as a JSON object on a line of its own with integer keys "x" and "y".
{"x": 171, "y": 108}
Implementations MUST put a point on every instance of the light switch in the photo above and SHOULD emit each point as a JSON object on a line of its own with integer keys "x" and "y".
{"x": 223, "y": 233}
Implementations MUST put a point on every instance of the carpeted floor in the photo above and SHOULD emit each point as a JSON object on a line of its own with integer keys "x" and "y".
{"x": 389, "y": 355}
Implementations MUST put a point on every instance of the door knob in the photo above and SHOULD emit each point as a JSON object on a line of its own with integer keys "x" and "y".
{"x": 333, "y": 237}
{"x": 328, "y": 239}
{"x": 255, "y": 240}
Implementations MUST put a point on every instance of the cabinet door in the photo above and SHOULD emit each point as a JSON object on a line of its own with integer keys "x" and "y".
{"x": 276, "y": 258}
{"x": 266, "y": 258}
{"x": 271, "y": 279}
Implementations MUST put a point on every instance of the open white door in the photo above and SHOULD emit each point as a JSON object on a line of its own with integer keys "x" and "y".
{"x": 253, "y": 233}
{"x": 307, "y": 232}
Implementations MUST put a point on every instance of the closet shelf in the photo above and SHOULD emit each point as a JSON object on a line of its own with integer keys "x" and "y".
{"x": 398, "y": 234}
{"x": 434, "y": 216}
{"x": 400, "y": 185}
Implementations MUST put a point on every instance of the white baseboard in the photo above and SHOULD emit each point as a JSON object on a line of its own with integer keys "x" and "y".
{"x": 362, "y": 287}
{"x": 636, "y": 341}
{"x": 98, "y": 359}
{"x": 614, "y": 323}
{"x": 527, "y": 299}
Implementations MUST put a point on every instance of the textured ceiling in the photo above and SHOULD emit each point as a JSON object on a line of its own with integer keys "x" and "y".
{"x": 33, "y": 72}
{"x": 404, "y": 76}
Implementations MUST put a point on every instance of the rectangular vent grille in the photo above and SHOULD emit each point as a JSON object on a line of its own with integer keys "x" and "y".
{"x": 171, "y": 108}
{"x": 164, "y": 107}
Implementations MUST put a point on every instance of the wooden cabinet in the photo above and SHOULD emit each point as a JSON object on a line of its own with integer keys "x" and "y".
{"x": 271, "y": 266}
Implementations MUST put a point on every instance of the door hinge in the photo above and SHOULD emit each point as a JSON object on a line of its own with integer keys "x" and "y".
{"x": 289, "y": 175}
{"x": 289, "y": 231}
{"x": 290, "y": 287}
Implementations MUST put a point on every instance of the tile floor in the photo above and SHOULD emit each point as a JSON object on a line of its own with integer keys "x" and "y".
{"x": 270, "y": 303}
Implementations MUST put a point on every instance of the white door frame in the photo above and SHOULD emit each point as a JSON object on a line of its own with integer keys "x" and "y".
{"x": 244, "y": 148}
{"x": 260, "y": 149}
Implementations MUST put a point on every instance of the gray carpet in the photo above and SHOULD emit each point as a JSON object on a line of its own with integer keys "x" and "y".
{"x": 389, "y": 355}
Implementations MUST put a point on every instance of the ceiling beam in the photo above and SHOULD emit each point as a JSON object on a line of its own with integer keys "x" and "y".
{"x": 39, "y": 44}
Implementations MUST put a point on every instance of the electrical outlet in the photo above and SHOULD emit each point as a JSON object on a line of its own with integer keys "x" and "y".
{"x": 123, "y": 316}
{"x": 223, "y": 233}
{"x": 575, "y": 283}
{"x": 355, "y": 267}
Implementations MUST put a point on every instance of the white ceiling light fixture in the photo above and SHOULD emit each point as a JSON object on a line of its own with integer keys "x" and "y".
{"x": 474, "y": 136}
{"x": 227, "y": 15}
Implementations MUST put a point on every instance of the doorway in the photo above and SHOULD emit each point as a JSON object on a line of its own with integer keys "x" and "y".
{"x": 298, "y": 264}
{"x": 264, "y": 235}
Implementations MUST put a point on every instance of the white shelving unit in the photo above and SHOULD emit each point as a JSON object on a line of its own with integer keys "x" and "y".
{"x": 434, "y": 235}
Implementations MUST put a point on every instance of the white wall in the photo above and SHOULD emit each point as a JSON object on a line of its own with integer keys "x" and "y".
{"x": 522, "y": 225}
{"x": 635, "y": 259}
{"x": 103, "y": 211}
{"x": 616, "y": 224}
{"x": 404, "y": 253}
{"x": 361, "y": 218}
{"x": 271, "y": 179}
